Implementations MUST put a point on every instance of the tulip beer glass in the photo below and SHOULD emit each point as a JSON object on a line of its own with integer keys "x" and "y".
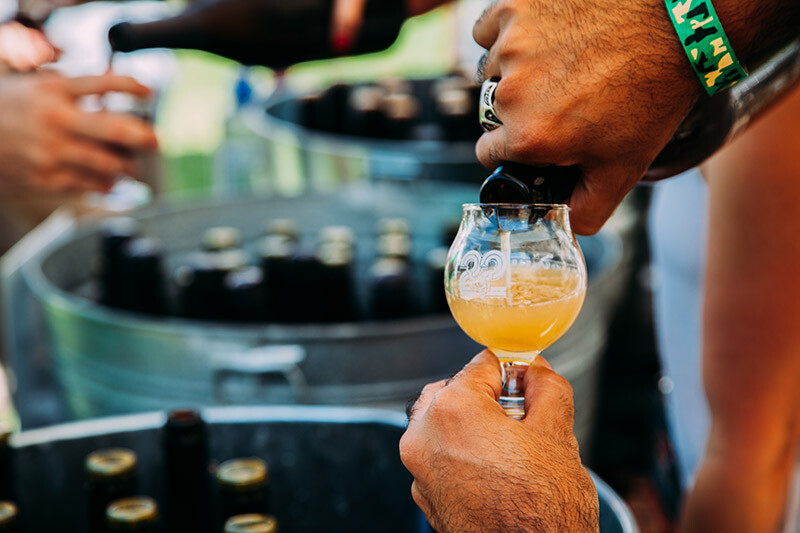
{"x": 515, "y": 280}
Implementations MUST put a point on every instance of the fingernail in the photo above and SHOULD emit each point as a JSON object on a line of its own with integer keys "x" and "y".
{"x": 342, "y": 42}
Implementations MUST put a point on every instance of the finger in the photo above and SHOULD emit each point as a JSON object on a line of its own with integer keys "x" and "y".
{"x": 86, "y": 85}
{"x": 121, "y": 130}
{"x": 346, "y": 23}
{"x": 597, "y": 195}
{"x": 492, "y": 148}
{"x": 424, "y": 399}
{"x": 481, "y": 374}
{"x": 97, "y": 159}
{"x": 547, "y": 394}
{"x": 487, "y": 27}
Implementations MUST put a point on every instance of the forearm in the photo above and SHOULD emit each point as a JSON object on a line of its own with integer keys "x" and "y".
{"x": 733, "y": 495}
{"x": 751, "y": 339}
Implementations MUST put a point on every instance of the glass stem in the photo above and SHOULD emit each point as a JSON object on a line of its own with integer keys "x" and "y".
{"x": 512, "y": 398}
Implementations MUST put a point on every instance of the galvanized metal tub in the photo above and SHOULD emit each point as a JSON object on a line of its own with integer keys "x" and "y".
{"x": 331, "y": 469}
{"x": 112, "y": 362}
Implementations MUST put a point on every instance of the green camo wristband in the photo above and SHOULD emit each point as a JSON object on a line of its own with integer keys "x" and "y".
{"x": 705, "y": 44}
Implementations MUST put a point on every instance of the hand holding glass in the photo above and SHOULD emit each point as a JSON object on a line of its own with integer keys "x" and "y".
{"x": 515, "y": 280}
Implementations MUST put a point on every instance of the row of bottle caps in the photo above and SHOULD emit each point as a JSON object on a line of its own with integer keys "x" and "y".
{"x": 111, "y": 486}
{"x": 395, "y": 108}
{"x": 286, "y": 284}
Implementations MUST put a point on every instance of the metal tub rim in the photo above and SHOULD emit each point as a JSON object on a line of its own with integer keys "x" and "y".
{"x": 51, "y": 295}
{"x": 253, "y": 414}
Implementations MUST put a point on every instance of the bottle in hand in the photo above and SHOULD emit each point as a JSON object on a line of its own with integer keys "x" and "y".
{"x": 272, "y": 33}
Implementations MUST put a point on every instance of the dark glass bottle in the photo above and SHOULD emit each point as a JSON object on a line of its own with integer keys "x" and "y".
{"x": 512, "y": 183}
{"x": 187, "y": 487}
{"x": 273, "y": 33}
{"x": 6, "y": 467}
{"x": 115, "y": 233}
{"x": 141, "y": 277}
{"x": 402, "y": 113}
{"x": 457, "y": 115}
{"x": 337, "y": 296}
{"x": 243, "y": 485}
{"x": 8, "y": 517}
{"x": 110, "y": 476}
{"x": 245, "y": 294}
{"x": 200, "y": 283}
{"x": 252, "y": 523}
{"x": 137, "y": 514}
{"x": 365, "y": 116}
{"x": 391, "y": 289}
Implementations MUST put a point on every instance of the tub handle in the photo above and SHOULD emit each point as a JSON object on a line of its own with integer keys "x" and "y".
{"x": 261, "y": 368}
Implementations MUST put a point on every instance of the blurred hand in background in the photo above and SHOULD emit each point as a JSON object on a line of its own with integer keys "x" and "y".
{"x": 23, "y": 49}
{"x": 47, "y": 141}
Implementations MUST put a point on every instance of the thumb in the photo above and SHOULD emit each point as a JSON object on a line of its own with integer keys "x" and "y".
{"x": 547, "y": 395}
{"x": 482, "y": 374}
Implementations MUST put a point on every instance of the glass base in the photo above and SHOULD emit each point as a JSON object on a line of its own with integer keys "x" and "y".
{"x": 512, "y": 398}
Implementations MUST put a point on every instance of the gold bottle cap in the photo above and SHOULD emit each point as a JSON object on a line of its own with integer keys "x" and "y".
{"x": 366, "y": 99}
{"x": 221, "y": 238}
{"x": 110, "y": 462}
{"x": 394, "y": 85}
{"x": 401, "y": 106}
{"x": 454, "y": 102}
{"x": 8, "y": 513}
{"x": 335, "y": 254}
{"x": 338, "y": 234}
{"x": 282, "y": 226}
{"x": 251, "y": 523}
{"x": 393, "y": 225}
{"x": 393, "y": 245}
{"x": 276, "y": 247}
{"x": 243, "y": 474}
{"x": 132, "y": 511}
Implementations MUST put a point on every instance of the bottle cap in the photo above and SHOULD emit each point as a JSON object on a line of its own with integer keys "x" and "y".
{"x": 394, "y": 245}
{"x": 335, "y": 254}
{"x": 221, "y": 238}
{"x": 251, "y": 523}
{"x": 282, "y": 226}
{"x": 393, "y": 225}
{"x": 8, "y": 513}
{"x": 338, "y": 234}
{"x": 276, "y": 247}
{"x": 110, "y": 463}
{"x": 366, "y": 99}
{"x": 243, "y": 474}
{"x": 400, "y": 107}
{"x": 132, "y": 511}
{"x": 455, "y": 103}
{"x": 395, "y": 85}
